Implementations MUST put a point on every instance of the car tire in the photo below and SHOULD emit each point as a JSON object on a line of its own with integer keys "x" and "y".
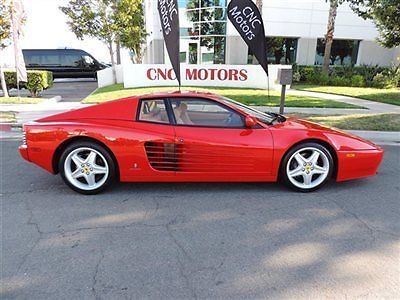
{"x": 306, "y": 167}
{"x": 87, "y": 167}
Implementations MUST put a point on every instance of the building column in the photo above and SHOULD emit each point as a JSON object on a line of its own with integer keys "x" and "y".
{"x": 306, "y": 48}
{"x": 236, "y": 51}
{"x": 154, "y": 53}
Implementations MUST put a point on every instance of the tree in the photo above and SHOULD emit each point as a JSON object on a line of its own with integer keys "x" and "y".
{"x": 333, "y": 5}
{"x": 130, "y": 30}
{"x": 5, "y": 36}
{"x": 386, "y": 16}
{"x": 93, "y": 18}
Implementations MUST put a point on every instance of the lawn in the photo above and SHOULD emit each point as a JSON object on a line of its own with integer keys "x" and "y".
{"x": 20, "y": 100}
{"x": 246, "y": 96}
{"x": 378, "y": 122}
{"x": 7, "y": 117}
{"x": 389, "y": 96}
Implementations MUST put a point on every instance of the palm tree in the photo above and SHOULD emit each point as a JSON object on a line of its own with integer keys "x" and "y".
{"x": 333, "y": 5}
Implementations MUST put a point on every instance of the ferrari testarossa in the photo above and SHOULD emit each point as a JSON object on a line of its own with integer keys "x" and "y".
{"x": 190, "y": 136}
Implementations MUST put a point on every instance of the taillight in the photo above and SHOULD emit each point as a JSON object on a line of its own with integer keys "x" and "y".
{"x": 23, "y": 136}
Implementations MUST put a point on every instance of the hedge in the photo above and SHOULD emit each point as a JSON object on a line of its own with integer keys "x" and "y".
{"x": 359, "y": 76}
{"x": 37, "y": 81}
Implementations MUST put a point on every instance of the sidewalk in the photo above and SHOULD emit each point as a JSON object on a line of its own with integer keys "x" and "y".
{"x": 372, "y": 107}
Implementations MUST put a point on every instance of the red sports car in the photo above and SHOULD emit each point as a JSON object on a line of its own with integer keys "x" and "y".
{"x": 189, "y": 136}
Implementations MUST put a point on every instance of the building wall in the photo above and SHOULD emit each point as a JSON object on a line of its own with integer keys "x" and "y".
{"x": 371, "y": 53}
{"x": 302, "y": 19}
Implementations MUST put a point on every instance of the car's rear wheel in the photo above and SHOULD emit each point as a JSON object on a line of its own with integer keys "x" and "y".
{"x": 87, "y": 167}
{"x": 307, "y": 167}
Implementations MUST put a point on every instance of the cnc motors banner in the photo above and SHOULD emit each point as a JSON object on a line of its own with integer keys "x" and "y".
{"x": 169, "y": 17}
{"x": 247, "y": 20}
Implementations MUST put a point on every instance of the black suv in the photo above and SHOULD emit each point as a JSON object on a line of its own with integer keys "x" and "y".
{"x": 64, "y": 63}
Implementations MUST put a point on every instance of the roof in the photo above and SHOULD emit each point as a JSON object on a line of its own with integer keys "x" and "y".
{"x": 176, "y": 93}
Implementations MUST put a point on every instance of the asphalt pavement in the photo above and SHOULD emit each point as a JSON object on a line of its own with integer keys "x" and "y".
{"x": 71, "y": 90}
{"x": 208, "y": 240}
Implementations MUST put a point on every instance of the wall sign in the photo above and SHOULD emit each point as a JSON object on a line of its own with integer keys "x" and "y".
{"x": 244, "y": 76}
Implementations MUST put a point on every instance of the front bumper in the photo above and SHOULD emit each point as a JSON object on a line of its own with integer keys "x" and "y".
{"x": 358, "y": 163}
{"x": 23, "y": 150}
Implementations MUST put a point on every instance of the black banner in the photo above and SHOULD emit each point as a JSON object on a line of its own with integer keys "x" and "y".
{"x": 169, "y": 17}
{"x": 247, "y": 20}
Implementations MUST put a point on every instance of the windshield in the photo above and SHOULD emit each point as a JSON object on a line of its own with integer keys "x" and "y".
{"x": 262, "y": 117}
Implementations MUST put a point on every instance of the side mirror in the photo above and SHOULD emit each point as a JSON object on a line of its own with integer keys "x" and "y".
{"x": 250, "y": 122}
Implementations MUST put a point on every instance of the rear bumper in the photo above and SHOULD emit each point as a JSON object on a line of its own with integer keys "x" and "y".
{"x": 358, "y": 164}
{"x": 23, "y": 150}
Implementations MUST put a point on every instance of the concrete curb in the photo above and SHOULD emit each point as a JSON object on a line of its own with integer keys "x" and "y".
{"x": 23, "y": 107}
{"x": 378, "y": 137}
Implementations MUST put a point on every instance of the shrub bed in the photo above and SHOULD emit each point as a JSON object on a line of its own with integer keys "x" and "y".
{"x": 357, "y": 76}
{"x": 37, "y": 81}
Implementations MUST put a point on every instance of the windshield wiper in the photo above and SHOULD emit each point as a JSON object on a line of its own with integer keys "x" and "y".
{"x": 277, "y": 117}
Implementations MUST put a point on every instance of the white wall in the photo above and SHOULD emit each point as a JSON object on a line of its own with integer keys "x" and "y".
{"x": 372, "y": 53}
{"x": 308, "y": 18}
{"x": 105, "y": 77}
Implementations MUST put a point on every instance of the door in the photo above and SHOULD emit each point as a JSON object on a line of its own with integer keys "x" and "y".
{"x": 154, "y": 150}
{"x": 212, "y": 143}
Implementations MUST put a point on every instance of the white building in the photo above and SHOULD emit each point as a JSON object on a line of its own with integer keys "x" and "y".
{"x": 294, "y": 30}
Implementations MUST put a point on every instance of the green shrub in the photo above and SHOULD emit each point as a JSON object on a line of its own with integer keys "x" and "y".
{"x": 37, "y": 81}
{"x": 339, "y": 81}
{"x": 296, "y": 76}
{"x": 357, "y": 80}
{"x": 346, "y": 75}
{"x": 381, "y": 81}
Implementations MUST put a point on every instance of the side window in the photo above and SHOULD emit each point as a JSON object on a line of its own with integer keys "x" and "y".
{"x": 70, "y": 60}
{"x": 207, "y": 113}
{"x": 153, "y": 111}
{"x": 88, "y": 60}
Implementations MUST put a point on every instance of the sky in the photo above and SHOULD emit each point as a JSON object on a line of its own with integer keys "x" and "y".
{"x": 46, "y": 28}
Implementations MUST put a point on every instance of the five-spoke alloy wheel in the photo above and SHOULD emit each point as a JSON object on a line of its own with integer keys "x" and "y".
{"x": 306, "y": 167}
{"x": 87, "y": 167}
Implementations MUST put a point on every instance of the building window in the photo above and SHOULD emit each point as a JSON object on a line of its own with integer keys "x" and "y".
{"x": 280, "y": 50}
{"x": 203, "y": 31}
{"x": 343, "y": 52}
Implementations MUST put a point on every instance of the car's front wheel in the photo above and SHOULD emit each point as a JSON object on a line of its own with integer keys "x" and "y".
{"x": 306, "y": 167}
{"x": 87, "y": 167}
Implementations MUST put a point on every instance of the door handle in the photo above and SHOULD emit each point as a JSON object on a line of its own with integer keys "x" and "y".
{"x": 181, "y": 140}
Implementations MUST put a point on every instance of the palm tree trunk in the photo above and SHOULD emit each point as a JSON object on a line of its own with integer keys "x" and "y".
{"x": 3, "y": 82}
{"x": 329, "y": 35}
{"x": 259, "y": 4}
{"x": 111, "y": 50}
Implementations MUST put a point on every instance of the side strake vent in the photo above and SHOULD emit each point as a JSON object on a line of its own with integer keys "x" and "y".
{"x": 162, "y": 156}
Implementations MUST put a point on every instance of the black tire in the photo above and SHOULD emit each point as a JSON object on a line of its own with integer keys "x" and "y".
{"x": 283, "y": 168}
{"x": 110, "y": 178}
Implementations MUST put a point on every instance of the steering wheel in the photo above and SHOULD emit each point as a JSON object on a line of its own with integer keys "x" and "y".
{"x": 229, "y": 119}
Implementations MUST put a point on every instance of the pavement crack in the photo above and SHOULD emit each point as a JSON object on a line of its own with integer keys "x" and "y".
{"x": 94, "y": 278}
{"x": 40, "y": 236}
{"x": 372, "y": 230}
{"x": 174, "y": 240}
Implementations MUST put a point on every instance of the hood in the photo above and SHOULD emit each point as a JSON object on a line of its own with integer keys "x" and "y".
{"x": 341, "y": 140}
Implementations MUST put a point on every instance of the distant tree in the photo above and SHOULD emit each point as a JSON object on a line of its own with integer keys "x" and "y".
{"x": 93, "y": 18}
{"x": 5, "y": 24}
{"x": 128, "y": 18}
{"x": 386, "y": 16}
{"x": 5, "y": 36}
